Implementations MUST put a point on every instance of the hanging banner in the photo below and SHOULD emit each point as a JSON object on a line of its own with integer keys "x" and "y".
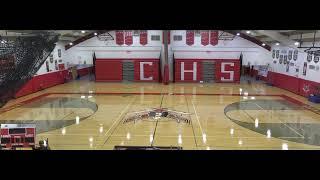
{"x": 309, "y": 57}
{"x": 214, "y": 37}
{"x": 304, "y": 69}
{"x": 316, "y": 59}
{"x": 190, "y": 37}
{"x": 204, "y": 38}
{"x": 290, "y": 55}
{"x": 119, "y": 37}
{"x": 273, "y": 53}
{"x": 143, "y": 37}
{"x": 128, "y": 38}
{"x": 295, "y": 55}
{"x": 277, "y": 54}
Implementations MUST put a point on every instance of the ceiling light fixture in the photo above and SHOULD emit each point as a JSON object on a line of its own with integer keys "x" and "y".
{"x": 238, "y": 34}
{"x": 71, "y": 44}
{"x": 83, "y": 32}
{"x": 263, "y": 44}
{"x": 296, "y": 43}
{"x": 248, "y": 32}
{"x": 277, "y": 44}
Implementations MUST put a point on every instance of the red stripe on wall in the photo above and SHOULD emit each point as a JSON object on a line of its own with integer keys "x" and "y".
{"x": 290, "y": 83}
{"x": 41, "y": 82}
{"x": 108, "y": 70}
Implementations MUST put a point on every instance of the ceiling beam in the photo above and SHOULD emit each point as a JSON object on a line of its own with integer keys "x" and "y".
{"x": 304, "y": 36}
{"x": 67, "y": 38}
{"x": 286, "y": 31}
{"x": 267, "y": 39}
{"x": 84, "y": 38}
{"x": 275, "y": 35}
{"x": 249, "y": 38}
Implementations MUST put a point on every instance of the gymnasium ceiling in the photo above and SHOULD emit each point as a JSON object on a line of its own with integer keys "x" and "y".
{"x": 267, "y": 36}
{"x": 289, "y": 35}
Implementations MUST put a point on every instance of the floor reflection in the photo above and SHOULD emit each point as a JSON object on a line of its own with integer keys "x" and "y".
{"x": 306, "y": 133}
{"x": 52, "y": 104}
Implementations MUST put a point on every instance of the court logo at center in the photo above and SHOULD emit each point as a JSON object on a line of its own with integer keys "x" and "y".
{"x": 157, "y": 114}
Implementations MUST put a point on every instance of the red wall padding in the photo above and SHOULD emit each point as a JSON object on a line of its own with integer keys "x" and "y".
{"x": 307, "y": 87}
{"x": 26, "y": 89}
{"x": 40, "y": 82}
{"x": 166, "y": 74}
{"x": 148, "y": 70}
{"x": 235, "y": 68}
{"x": 188, "y": 65}
{"x": 296, "y": 85}
{"x": 287, "y": 82}
{"x": 108, "y": 70}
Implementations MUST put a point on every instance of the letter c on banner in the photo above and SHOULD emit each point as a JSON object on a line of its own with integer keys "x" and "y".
{"x": 142, "y": 71}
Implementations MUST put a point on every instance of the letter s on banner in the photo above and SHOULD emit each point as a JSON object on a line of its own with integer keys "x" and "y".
{"x": 223, "y": 71}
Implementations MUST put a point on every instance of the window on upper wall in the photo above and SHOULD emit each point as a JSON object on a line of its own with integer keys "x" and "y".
{"x": 177, "y": 38}
{"x": 136, "y": 33}
{"x": 197, "y": 33}
{"x": 155, "y": 37}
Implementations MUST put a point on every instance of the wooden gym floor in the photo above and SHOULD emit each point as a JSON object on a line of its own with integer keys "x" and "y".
{"x": 222, "y": 116}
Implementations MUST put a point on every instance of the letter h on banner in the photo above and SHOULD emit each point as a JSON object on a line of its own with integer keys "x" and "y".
{"x": 194, "y": 71}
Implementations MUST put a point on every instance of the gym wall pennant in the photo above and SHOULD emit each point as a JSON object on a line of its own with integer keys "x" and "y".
{"x": 277, "y": 54}
{"x": 214, "y": 37}
{"x": 128, "y": 38}
{"x": 273, "y": 53}
{"x": 290, "y": 55}
{"x": 119, "y": 37}
{"x": 295, "y": 55}
{"x": 204, "y": 38}
{"x": 305, "y": 69}
{"x": 190, "y": 37}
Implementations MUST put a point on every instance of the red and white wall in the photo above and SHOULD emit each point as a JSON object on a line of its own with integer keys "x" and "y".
{"x": 111, "y": 50}
{"x": 223, "y": 53}
{"x": 293, "y": 80}
{"x": 52, "y": 68}
{"x": 148, "y": 57}
{"x": 110, "y": 56}
{"x": 190, "y": 70}
{"x": 44, "y": 79}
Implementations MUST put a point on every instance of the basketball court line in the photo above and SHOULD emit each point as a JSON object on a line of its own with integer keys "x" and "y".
{"x": 155, "y": 128}
{"x": 278, "y": 119}
{"x": 194, "y": 134}
{"x": 173, "y": 136}
{"x": 194, "y": 108}
{"x": 118, "y": 120}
